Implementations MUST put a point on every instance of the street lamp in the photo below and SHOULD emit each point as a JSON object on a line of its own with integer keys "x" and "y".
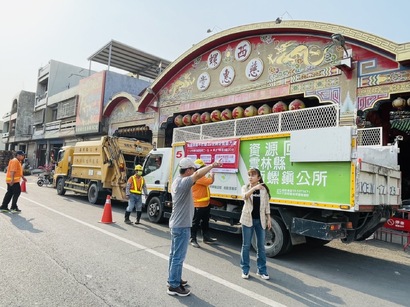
{"x": 151, "y": 91}
{"x": 339, "y": 40}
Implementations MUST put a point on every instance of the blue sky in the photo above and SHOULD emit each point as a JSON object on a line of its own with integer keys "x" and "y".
{"x": 34, "y": 31}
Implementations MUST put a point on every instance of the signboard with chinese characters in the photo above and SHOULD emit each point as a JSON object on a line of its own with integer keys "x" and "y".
{"x": 400, "y": 221}
{"x": 227, "y": 76}
{"x": 89, "y": 108}
{"x": 322, "y": 182}
{"x": 398, "y": 224}
{"x": 212, "y": 150}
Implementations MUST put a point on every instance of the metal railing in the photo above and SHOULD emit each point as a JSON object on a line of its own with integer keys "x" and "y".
{"x": 59, "y": 125}
{"x": 369, "y": 136}
{"x": 309, "y": 118}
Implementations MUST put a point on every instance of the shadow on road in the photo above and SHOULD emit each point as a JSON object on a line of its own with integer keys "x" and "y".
{"x": 23, "y": 224}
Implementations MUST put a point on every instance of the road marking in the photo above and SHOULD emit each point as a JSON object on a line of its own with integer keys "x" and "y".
{"x": 191, "y": 268}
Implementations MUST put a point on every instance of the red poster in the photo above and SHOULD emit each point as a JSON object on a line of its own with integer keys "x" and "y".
{"x": 212, "y": 150}
{"x": 398, "y": 224}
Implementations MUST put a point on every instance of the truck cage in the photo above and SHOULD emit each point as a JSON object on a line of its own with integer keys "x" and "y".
{"x": 308, "y": 118}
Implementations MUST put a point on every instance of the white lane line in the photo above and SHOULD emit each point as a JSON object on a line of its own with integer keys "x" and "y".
{"x": 191, "y": 268}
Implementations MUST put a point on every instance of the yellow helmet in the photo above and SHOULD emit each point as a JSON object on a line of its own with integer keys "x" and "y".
{"x": 138, "y": 167}
{"x": 199, "y": 163}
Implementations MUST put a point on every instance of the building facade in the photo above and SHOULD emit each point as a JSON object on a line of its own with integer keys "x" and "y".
{"x": 73, "y": 104}
{"x": 17, "y": 124}
{"x": 252, "y": 67}
{"x": 260, "y": 66}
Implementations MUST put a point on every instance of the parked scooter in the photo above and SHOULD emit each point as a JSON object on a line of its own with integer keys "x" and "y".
{"x": 45, "y": 179}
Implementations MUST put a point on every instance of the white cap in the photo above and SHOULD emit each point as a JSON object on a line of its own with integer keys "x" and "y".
{"x": 186, "y": 163}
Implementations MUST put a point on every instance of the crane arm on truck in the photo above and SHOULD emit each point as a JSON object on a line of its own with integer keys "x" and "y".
{"x": 118, "y": 176}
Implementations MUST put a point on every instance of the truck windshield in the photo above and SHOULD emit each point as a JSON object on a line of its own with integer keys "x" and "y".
{"x": 152, "y": 163}
{"x": 60, "y": 155}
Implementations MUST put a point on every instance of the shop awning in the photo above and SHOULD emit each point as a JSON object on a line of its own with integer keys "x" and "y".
{"x": 121, "y": 56}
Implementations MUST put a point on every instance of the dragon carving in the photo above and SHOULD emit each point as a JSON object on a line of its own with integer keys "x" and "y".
{"x": 182, "y": 83}
{"x": 291, "y": 53}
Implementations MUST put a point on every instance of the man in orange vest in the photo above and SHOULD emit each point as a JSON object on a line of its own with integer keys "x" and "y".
{"x": 201, "y": 195}
{"x": 13, "y": 177}
{"x": 135, "y": 187}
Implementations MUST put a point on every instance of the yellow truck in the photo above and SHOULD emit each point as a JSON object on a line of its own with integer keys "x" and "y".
{"x": 99, "y": 168}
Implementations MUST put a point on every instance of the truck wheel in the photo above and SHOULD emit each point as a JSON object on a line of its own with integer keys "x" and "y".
{"x": 277, "y": 240}
{"x": 155, "y": 210}
{"x": 93, "y": 194}
{"x": 60, "y": 186}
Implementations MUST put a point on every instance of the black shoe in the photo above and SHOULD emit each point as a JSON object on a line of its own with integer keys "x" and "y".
{"x": 127, "y": 221}
{"x": 180, "y": 291}
{"x": 5, "y": 210}
{"x": 209, "y": 240}
{"x": 137, "y": 222}
{"x": 194, "y": 243}
{"x": 183, "y": 283}
{"x": 15, "y": 210}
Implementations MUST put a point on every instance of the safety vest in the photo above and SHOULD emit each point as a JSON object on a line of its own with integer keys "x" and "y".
{"x": 14, "y": 166}
{"x": 137, "y": 189}
{"x": 201, "y": 193}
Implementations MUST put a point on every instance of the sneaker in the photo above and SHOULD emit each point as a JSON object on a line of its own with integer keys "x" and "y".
{"x": 16, "y": 210}
{"x": 245, "y": 276}
{"x": 137, "y": 222}
{"x": 194, "y": 243}
{"x": 183, "y": 283}
{"x": 180, "y": 291}
{"x": 127, "y": 221}
{"x": 5, "y": 210}
{"x": 209, "y": 240}
{"x": 263, "y": 276}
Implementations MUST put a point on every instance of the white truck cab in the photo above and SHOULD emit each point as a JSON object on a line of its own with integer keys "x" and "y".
{"x": 156, "y": 172}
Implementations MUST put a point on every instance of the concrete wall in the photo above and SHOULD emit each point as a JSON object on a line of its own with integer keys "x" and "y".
{"x": 116, "y": 83}
{"x": 25, "y": 105}
{"x": 64, "y": 76}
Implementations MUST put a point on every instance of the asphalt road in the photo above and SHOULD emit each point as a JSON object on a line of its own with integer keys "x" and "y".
{"x": 57, "y": 253}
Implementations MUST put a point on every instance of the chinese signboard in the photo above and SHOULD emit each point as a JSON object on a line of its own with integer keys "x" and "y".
{"x": 90, "y": 101}
{"x": 210, "y": 151}
{"x": 326, "y": 182}
{"x": 401, "y": 221}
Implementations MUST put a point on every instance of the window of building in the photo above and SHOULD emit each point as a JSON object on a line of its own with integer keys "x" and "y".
{"x": 66, "y": 108}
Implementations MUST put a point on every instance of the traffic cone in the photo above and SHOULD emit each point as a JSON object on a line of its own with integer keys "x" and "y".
{"x": 107, "y": 214}
{"x": 23, "y": 186}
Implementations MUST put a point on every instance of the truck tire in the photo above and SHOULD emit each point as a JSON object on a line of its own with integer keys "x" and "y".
{"x": 277, "y": 240}
{"x": 60, "y": 186}
{"x": 93, "y": 194}
{"x": 155, "y": 210}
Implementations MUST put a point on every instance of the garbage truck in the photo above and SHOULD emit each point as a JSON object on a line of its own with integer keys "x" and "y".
{"x": 99, "y": 168}
{"x": 327, "y": 181}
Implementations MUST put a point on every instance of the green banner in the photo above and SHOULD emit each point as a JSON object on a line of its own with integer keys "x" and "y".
{"x": 325, "y": 182}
